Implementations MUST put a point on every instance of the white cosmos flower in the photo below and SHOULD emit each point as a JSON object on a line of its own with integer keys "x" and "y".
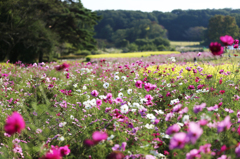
{"x": 60, "y": 138}
{"x": 72, "y": 117}
{"x": 149, "y": 126}
{"x": 110, "y": 137}
{"x": 78, "y": 90}
{"x": 88, "y": 106}
{"x": 151, "y": 116}
{"x": 120, "y": 95}
{"x": 185, "y": 118}
{"x": 106, "y": 85}
{"x": 135, "y": 105}
{"x": 180, "y": 124}
{"x": 143, "y": 100}
{"x": 116, "y": 124}
{"x": 133, "y": 110}
{"x": 75, "y": 85}
{"x": 159, "y": 111}
{"x": 180, "y": 84}
{"x": 124, "y": 78}
{"x": 102, "y": 97}
{"x": 165, "y": 135}
{"x": 84, "y": 88}
{"x": 124, "y": 108}
{"x": 129, "y": 91}
{"x": 169, "y": 85}
{"x": 116, "y": 78}
{"x": 116, "y": 73}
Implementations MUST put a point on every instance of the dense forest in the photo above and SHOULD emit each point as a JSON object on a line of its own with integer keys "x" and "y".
{"x": 179, "y": 25}
{"x": 31, "y": 30}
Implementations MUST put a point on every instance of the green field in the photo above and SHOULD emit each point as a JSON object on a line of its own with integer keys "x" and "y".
{"x": 184, "y": 43}
{"x": 133, "y": 54}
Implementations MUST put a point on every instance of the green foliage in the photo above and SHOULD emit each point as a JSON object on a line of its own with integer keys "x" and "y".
{"x": 220, "y": 25}
{"x": 161, "y": 48}
{"x": 177, "y": 23}
{"x": 132, "y": 47}
{"x": 32, "y": 29}
{"x": 88, "y": 59}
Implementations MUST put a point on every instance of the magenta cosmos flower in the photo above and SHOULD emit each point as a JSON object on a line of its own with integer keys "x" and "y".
{"x": 94, "y": 93}
{"x": 178, "y": 141}
{"x": 61, "y": 67}
{"x": 52, "y": 154}
{"x": 14, "y": 123}
{"x": 235, "y": 46}
{"x": 227, "y": 40}
{"x": 138, "y": 84}
{"x": 216, "y": 48}
{"x": 236, "y": 41}
{"x": 64, "y": 151}
{"x": 98, "y": 136}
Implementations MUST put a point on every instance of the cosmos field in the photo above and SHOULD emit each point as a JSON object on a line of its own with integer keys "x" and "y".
{"x": 163, "y": 106}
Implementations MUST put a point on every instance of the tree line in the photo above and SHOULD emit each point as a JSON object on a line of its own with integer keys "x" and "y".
{"x": 178, "y": 25}
{"x": 29, "y": 29}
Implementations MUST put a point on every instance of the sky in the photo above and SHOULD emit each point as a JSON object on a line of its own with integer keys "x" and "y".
{"x": 159, "y": 5}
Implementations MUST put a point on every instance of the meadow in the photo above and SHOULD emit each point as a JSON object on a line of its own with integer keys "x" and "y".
{"x": 156, "y": 107}
{"x": 133, "y": 54}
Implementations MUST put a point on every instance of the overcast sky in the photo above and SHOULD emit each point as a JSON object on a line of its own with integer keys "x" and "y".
{"x": 159, "y": 5}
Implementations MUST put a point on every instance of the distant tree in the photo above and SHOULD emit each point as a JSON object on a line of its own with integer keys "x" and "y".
{"x": 132, "y": 47}
{"x": 220, "y": 25}
{"x": 31, "y": 29}
{"x": 195, "y": 33}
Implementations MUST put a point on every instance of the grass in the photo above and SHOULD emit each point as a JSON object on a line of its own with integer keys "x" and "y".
{"x": 133, "y": 54}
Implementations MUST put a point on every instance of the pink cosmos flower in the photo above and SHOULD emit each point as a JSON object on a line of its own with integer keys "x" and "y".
{"x": 216, "y": 48}
{"x": 227, "y": 40}
{"x": 138, "y": 84}
{"x": 173, "y": 129}
{"x": 98, "y": 136}
{"x": 199, "y": 54}
{"x": 191, "y": 87}
{"x": 149, "y": 97}
{"x": 119, "y": 148}
{"x": 194, "y": 71}
{"x": 147, "y": 87}
{"x": 177, "y": 108}
{"x": 236, "y": 46}
{"x": 205, "y": 148}
{"x": 52, "y": 154}
{"x": 222, "y": 91}
{"x": 14, "y": 123}
{"x": 223, "y": 157}
{"x": 89, "y": 142}
{"x": 236, "y": 41}
{"x": 193, "y": 154}
{"x": 99, "y": 102}
{"x": 94, "y": 93}
{"x": 150, "y": 157}
{"x": 109, "y": 96}
{"x": 198, "y": 108}
{"x": 115, "y": 155}
{"x": 237, "y": 150}
{"x": 61, "y": 67}
{"x": 223, "y": 125}
{"x": 194, "y": 132}
{"x": 178, "y": 141}
{"x": 64, "y": 151}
